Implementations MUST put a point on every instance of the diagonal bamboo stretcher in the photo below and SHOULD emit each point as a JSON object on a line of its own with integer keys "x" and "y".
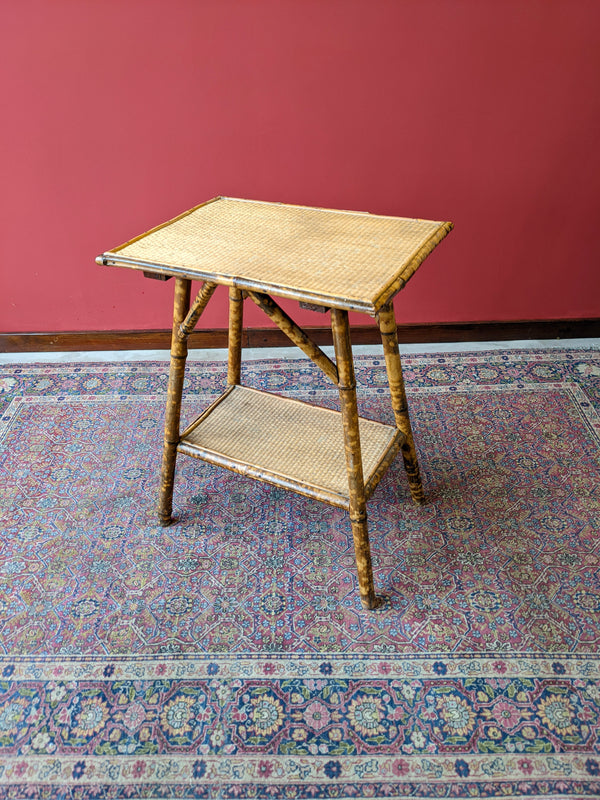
{"x": 195, "y": 312}
{"x": 295, "y": 334}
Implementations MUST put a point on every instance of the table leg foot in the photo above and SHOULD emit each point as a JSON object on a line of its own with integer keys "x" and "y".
{"x": 356, "y": 486}
{"x": 173, "y": 409}
{"x": 411, "y": 465}
{"x": 370, "y": 603}
{"x": 389, "y": 338}
{"x": 364, "y": 568}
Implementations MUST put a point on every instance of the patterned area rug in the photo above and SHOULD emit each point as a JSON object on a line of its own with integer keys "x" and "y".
{"x": 228, "y": 656}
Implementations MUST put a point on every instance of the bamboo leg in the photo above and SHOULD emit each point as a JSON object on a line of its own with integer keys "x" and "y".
{"x": 173, "y": 411}
{"x": 389, "y": 338}
{"x": 236, "y": 318}
{"x": 358, "y": 504}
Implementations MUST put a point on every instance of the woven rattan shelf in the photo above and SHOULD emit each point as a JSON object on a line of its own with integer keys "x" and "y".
{"x": 339, "y": 261}
{"x": 288, "y": 443}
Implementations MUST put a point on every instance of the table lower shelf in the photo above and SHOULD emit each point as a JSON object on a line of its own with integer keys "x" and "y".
{"x": 288, "y": 443}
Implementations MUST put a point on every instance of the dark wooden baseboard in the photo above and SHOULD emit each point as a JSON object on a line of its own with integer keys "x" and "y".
{"x": 70, "y": 341}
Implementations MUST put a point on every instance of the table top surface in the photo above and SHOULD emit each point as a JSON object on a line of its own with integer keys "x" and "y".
{"x": 340, "y": 259}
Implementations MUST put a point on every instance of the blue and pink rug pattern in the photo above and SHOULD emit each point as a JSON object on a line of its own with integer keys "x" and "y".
{"x": 229, "y": 656}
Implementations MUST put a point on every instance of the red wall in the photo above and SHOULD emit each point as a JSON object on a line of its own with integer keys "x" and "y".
{"x": 122, "y": 113}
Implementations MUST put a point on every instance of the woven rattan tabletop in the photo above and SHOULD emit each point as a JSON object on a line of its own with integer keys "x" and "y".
{"x": 339, "y": 259}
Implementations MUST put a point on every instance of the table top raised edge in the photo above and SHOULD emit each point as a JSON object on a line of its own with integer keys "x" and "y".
{"x": 397, "y": 282}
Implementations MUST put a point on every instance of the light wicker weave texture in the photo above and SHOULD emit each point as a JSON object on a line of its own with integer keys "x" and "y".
{"x": 331, "y": 253}
{"x": 287, "y": 437}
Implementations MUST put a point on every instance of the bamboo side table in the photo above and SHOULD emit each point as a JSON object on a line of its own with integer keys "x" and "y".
{"x": 335, "y": 261}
